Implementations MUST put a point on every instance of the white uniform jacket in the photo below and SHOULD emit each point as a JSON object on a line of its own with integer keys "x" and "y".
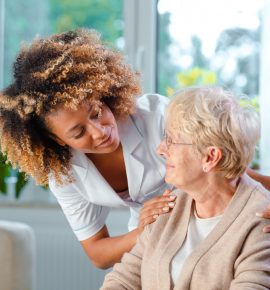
{"x": 87, "y": 201}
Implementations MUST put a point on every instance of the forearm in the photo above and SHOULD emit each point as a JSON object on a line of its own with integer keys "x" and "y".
{"x": 107, "y": 251}
{"x": 263, "y": 179}
{"x": 127, "y": 274}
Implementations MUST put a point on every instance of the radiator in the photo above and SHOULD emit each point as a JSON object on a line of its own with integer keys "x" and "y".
{"x": 61, "y": 261}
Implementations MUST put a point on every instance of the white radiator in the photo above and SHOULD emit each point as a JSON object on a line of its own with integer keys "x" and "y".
{"x": 61, "y": 261}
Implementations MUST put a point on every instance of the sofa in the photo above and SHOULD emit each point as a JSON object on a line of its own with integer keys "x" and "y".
{"x": 17, "y": 256}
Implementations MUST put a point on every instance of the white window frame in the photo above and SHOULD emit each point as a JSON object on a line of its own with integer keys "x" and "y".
{"x": 265, "y": 92}
{"x": 140, "y": 18}
{"x": 2, "y": 34}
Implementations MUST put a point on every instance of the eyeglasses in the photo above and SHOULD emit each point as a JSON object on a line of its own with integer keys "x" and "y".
{"x": 169, "y": 141}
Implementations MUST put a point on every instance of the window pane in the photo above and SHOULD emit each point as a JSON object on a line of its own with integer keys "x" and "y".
{"x": 26, "y": 19}
{"x": 209, "y": 42}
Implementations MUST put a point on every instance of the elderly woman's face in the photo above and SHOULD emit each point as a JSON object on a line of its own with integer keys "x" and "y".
{"x": 183, "y": 164}
{"x": 91, "y": 128}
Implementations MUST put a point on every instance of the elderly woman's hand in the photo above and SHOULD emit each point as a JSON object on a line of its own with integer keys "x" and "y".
{"x": 265, "y": 214}
{"x": 155, "y": 207}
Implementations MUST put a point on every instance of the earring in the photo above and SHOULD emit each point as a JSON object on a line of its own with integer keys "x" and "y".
{"x": 204, "y": 169}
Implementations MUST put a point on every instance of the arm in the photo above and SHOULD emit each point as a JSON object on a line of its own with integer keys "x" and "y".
{"x": 252, "y": 267}
{"x": 104, "y": 251}
{"x": 88, "y": 223}
{"x": 127, "y": 274}
{"x": 263, "y": 179}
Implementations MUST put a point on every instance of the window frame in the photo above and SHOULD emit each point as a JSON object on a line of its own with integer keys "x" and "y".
{"x": 2, "y": 39}
{"x": 140, "y": 18}
{"x": 264, "y": 96}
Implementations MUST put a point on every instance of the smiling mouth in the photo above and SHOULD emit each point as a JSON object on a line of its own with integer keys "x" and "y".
{"x": 169, "y": 166}
{"x": 106, "y": 139}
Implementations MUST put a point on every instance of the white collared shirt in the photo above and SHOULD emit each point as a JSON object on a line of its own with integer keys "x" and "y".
{"x": 87, "y": 201}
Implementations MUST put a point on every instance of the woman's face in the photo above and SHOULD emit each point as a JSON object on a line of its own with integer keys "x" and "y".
{"x": 183, "y": 164}
{"x": 91, "y": 128}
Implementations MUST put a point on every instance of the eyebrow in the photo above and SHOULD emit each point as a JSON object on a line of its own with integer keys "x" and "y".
{"x": 78, "y": 125}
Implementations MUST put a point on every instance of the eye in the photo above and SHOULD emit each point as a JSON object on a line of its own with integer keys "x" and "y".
{"x": 96, "y": 113}
{"x": 169, "y": 140}
{"x": 80, "y": 134}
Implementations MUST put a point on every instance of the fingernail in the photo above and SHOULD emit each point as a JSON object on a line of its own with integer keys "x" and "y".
{"x": 171, "y": 204}
{"x": 259, "y": 214}
{"x": 172, "y": 197}
{"x": 266, "y": 230}
{"x": 166, "y": 208}
{"x": 155, "y": 216}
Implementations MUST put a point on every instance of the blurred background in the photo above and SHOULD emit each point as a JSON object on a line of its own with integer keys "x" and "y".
{"x": 174, "y": 44}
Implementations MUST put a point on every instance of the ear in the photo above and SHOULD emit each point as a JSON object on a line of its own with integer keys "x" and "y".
{"x": 57, "y": 139}
{"x": 212, "y": 157}
{"x": 60, "y": 142}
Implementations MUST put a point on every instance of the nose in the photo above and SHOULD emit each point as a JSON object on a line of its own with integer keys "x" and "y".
{"x": 95, "y": 129}
{"x": 162, "y": 148}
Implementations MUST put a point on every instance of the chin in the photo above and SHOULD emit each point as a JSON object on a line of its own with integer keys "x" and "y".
{"x": 173, "y": 181}
{"x": 168, "y": 179}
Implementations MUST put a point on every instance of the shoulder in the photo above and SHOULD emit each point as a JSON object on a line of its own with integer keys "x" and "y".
{"x": 259, "y": 198}
{"x": 151, "y": 103}
{"x": 149, "y": 116}
{"x": 78, "y": 173}
{"x": 180, "y": 211}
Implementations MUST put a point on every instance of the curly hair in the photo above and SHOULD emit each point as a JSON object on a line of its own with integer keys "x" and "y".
{"x": 64, "y": 69}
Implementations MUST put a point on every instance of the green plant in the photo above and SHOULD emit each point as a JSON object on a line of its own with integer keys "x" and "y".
{"x": 6, "y": 170}
{"x": 192, "y": 77}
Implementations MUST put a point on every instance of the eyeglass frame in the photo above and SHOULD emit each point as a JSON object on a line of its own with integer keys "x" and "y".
{"x": 169, "y": 143}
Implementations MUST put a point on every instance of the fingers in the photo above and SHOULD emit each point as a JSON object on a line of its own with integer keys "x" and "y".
{"x": 264, "y": 214}
{"x": 155, "y": 207}
{"x": 147, "y": 221}
{"x": 266, "y": 229}
{"x": 167, "y": 192}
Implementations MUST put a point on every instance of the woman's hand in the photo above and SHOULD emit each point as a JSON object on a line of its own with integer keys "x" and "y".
{"x": 265, "y": 214}
{"x": 155, "y": 207}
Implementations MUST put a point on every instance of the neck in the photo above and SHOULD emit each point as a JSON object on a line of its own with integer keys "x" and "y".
{"x": 214, "y": 196}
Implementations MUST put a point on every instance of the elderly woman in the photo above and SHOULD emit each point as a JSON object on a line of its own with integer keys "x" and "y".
{"x": 212, "y": 240}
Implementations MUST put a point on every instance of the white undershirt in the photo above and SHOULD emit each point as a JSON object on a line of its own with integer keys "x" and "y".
{"x": 198, "y": 229}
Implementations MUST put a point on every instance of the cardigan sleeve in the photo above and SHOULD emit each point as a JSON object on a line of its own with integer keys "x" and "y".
{"x": 127, "y": 274}
{"x": 252, "y": 267}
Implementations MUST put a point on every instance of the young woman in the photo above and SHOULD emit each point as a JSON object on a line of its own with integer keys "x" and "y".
{"x": 71, "y": 119}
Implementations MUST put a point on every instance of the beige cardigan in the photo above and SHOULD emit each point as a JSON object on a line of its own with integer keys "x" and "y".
{"x": 235, "y": 255}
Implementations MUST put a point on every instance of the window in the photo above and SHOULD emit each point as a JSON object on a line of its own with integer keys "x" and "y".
{"x": 24, "y": 20}
{"x": 217, "y": 43}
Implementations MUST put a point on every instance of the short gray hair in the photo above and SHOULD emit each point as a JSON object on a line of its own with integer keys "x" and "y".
{"x": 213, "y": 117}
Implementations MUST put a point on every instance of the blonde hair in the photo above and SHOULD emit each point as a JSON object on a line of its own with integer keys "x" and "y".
{"x": 213, "y": 117}
{"x": 64, "y": 69}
